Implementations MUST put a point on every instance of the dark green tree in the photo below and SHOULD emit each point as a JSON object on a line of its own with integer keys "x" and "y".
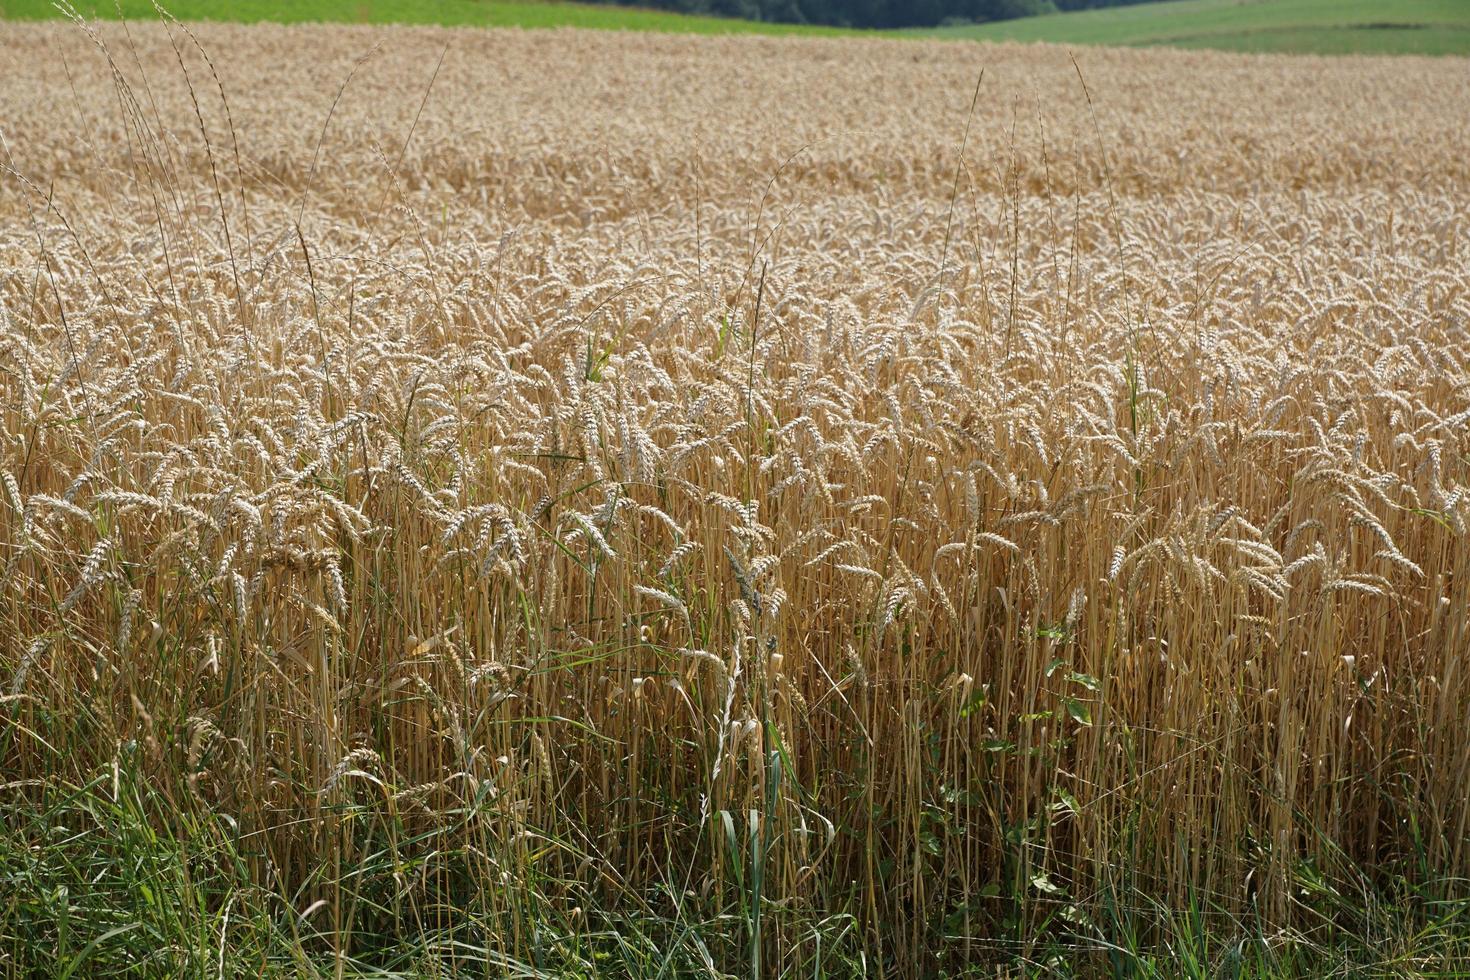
{"x": 873, "y": 13}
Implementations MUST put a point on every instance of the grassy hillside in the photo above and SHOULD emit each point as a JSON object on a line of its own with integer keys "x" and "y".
{"x": 1436, "y": 27}
{"x": 455, "y": 13}
{"x": 1308, "y": 26}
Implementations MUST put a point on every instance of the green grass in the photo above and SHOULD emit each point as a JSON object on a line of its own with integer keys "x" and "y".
{"x": 1436, "y": 27}
{"x": 122, "y": 875}
{"x": 452, "y": 13}
{"x": 1304, "y": 26}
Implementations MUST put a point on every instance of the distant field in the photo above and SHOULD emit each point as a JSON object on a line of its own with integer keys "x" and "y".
{"x": 451, "y": 13}
{"x": 1304, "y": 26}
{"x": 1436, "y": 27}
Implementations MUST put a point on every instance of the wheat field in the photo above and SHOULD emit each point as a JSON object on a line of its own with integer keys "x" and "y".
{"x": 492, "y": 503}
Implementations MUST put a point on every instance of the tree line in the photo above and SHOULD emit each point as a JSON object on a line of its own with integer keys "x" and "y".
{"x": 873, "y": 13}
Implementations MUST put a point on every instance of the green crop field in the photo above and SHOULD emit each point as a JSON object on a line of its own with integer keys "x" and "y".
{"x": 1436, "y": 27}
{"x": 1304, "y": 26}
{"x": 452, "y": 13}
